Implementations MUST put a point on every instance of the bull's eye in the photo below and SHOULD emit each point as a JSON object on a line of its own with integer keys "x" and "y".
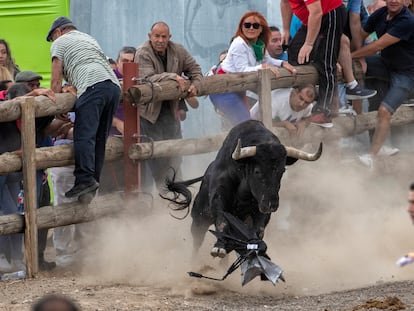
{"x": 258, "y": 173}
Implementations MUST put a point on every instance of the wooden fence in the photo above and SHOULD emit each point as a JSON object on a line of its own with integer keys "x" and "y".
{"x": 33, "y": 158}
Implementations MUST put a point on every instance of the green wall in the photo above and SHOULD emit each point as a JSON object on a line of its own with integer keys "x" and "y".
{"x": 24, "y": 25}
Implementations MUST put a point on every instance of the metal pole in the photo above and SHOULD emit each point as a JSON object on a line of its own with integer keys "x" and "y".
{"x": 132, "y": 169}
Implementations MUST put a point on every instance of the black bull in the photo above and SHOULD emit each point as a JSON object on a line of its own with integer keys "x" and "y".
{"x": 243, "y": 180}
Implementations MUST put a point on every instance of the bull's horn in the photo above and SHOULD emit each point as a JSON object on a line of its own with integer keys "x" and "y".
{"x": 245, "y": 152}
{"x": 299, "y": 154}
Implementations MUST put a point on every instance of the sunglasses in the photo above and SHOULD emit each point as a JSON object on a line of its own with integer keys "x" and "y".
{"x": 249, "y": 25}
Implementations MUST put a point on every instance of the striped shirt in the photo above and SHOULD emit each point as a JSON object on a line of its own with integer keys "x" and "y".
{"x": 84, "y": 63}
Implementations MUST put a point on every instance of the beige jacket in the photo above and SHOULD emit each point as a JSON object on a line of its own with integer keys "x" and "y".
{"x": 151, "y": 69}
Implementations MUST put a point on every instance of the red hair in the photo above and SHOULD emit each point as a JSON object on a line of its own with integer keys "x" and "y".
{"x": 264, "y": 35}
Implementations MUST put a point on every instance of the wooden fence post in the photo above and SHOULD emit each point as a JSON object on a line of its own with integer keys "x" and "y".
{"x": 265, "y": 99}
{"x": 28, "y": 134}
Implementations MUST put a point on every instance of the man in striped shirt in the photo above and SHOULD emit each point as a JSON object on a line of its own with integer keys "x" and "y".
{"x": 78, "y": 59}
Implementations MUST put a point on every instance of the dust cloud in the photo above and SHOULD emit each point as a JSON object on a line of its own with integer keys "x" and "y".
{"x": 339, "y": 226}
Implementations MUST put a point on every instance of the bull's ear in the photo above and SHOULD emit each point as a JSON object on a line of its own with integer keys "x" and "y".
{"x": 290, "y": 160}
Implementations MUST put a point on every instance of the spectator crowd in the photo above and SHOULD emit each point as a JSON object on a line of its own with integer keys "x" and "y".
{"x": 327, "y": 34}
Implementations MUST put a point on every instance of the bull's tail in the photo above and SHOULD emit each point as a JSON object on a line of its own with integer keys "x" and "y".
{"x": 178, "y": 193}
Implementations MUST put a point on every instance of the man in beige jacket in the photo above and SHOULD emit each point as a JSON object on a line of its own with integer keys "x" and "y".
{"x": 160, "y": 59}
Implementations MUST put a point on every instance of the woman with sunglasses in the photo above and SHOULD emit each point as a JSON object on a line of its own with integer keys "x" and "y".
{"x": 247, "y": 52}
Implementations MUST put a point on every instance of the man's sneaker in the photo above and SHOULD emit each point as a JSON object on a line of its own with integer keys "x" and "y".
{"x": 408, "y": 103}
{"x": 321, "y": 120}
{"x": 87, "y": 197}
{"x": 359, "y": 92}
{"x": 346, "y": 110}
{"x": 367, "y": 160}
{"x": 388, "y": 151}
{"x": 81, "y": 189}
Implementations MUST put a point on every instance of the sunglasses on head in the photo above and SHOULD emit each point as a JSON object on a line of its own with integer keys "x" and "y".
{"x": 248, "y": 25}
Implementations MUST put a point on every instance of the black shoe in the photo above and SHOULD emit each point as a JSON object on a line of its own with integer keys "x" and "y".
{"x": 87, "y": 197}
{"x": 46, "y": 265}
{"x": 81, "y": 189}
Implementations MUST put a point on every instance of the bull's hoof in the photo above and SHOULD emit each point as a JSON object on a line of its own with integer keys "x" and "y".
{"x": 218, "y": 252}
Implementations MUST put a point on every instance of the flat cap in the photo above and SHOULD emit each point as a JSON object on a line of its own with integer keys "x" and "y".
{"x": 26, "y": 76}
{"x": 58, "y": 22}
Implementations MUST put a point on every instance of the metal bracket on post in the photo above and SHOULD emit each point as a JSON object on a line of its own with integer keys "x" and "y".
{"x": 132, "y": 169}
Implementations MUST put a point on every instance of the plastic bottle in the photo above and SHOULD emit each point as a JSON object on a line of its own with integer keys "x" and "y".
{"x": 18, "y": 275}
{"x": 20, "y": 202}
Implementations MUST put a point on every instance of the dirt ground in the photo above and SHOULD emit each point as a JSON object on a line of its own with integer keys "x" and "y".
{"x": 337, "y": 236}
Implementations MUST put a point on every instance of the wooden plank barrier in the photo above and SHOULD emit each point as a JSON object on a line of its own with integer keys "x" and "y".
{"x": 40, "y": 158}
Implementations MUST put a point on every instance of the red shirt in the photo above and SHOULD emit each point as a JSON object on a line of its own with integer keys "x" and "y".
{"x": 301, "y": 11}
{"x": 3, "y": 95}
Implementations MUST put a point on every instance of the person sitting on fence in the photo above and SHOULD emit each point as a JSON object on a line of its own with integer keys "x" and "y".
{"x": 291, "y": 108}
{"x": 161, "y": 59}
{"x": 247, "y": 52}
{"x": 78, "y": 58}
{"x": 391, "y": 71}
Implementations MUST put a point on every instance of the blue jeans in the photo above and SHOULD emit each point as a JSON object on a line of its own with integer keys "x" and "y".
{"x": 10, "y": 244}
{"x": 94, "y": 110}
{"x": 393, "y": 87}
{"x": 166, "y": 127}
{"x": 232, "y": 106}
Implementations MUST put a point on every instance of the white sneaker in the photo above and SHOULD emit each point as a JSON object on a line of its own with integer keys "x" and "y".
{"x": 5, "y": 265}
{"x": 388, "y": 151}
{"x": 347, "y": 110}
{"x": 367, "y": 160}
{"x": 408, "y": 103}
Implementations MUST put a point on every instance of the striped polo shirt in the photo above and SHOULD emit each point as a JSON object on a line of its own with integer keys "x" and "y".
{"x": 84, "y": 63}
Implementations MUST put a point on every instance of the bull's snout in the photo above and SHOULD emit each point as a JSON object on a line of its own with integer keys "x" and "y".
{"x": 269, "y": 205}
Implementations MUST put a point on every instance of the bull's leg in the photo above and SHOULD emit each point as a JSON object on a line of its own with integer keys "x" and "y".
{"x": 201, "y": 220}
{"x": 219, "y": 249}
{"x": 199, "y": 228}
{"x": 260, "y": 222}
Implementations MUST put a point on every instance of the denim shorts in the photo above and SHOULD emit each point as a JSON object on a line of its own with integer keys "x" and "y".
{"x": 400, "y": 88}
{"x": 400, "y": 84}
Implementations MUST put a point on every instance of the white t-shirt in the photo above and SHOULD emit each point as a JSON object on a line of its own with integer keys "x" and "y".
{"x": 281, "y": 107}
{"x": 241, "y": 58}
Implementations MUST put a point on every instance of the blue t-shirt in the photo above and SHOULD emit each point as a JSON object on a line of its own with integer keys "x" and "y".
{"x": 398, "y": 57}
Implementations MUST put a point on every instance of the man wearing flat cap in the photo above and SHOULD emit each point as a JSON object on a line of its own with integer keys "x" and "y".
{"x": 78, "y": 59}
{"x": 32, "y": 80}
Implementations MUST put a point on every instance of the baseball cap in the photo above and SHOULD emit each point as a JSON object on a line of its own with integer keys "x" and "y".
{"x": 26, "y": 76}
{"x": 58, "y": 22}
